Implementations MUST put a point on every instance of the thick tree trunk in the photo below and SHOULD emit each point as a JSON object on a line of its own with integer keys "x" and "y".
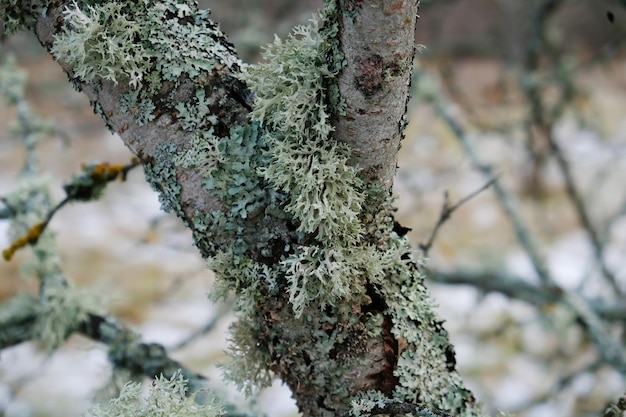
{"x": 339, "y": 317}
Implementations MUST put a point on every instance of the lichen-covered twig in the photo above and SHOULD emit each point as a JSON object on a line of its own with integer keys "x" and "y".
{"x": 19, "y": 315}
{"x": 85, "y": 187}
{"x": 616, "y": 409}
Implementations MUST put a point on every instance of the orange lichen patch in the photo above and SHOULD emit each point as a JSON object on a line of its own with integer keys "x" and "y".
{"x": 106, "y": 172}
{"x": 30, "y": 237}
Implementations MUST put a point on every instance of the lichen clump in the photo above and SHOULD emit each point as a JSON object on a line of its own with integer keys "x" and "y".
{"x": 127, "y": 41}
{"x": 166, "y": 397}
{"x": 346, "y": 243}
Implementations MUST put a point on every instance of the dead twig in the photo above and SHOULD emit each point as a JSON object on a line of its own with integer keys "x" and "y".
{"x": 446, "y": 213}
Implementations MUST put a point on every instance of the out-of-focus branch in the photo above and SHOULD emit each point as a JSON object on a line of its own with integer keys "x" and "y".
{"x": 519, "y": 289}
{"x": 446, "y": 212}
{"x": 583, "y": 215}
{"x": 610, "y": 351}
{"x": 617, "y": 409}
{"x": 18, "y": 316}
{"x": 85, "y": 187}
{"x": 504, "y": 197}
{"x": 542, "y": 117}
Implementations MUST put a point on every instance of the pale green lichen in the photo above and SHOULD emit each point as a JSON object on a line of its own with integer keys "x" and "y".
{"x": 148, "y": 45}
{"x": 249, "y": 368}
{"x": 330, "y": 275}
{"x": 365, "y": 401}
{"x": 101, "y": 41}
{"x": 201, "y": 152}
{"x": 61, "y": 310}
{"x": 125, "y": 40}
{"x": 324, "y": 192}
{"x": 12, "y": 79}
{"x": 167, "y": 398}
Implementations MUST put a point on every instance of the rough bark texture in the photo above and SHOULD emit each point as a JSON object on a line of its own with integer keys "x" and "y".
{"x": 228, "y": 99}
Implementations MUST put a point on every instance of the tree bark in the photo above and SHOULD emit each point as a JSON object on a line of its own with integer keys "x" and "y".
{"x": 377, "y": 39}
{"x": 382, "y": 340}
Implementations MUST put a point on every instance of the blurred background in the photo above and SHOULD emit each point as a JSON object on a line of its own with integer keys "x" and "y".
{"x": 529, "y": 94}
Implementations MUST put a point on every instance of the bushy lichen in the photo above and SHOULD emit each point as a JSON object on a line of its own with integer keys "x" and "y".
{"x": 150, "y": 46}
{"x": 330, "y": 275}
{"x": 167, "y": 398}
{"x": 127, "y": 40}
{"x": 100, "y": 41}
{"x": 324, "y": 192}
{"x": 249, "y": 368}
{"x": 60, "y": 312}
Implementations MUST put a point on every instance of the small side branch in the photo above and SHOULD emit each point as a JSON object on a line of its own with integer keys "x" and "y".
{"x": 85, "y": 187}
{"x": 18, "y": 316}
{"x": 446, "y": 213}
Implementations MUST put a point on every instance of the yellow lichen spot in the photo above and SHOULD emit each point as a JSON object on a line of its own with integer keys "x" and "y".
{"x": 105, "y": 172}
{"x": 30, "y": 237}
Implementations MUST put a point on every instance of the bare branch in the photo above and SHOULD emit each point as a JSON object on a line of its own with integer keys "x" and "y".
{"x": 378, "y": 43}
{"x": 520, "y": 289}
{"x": 446, "y": 212}
{"x": 610, "y": 350}
{"x": 583, "y": 215}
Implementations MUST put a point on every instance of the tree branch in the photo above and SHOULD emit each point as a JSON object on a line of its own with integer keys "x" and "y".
{"x": 146, "y": 132}
{"x": 446, "y": 212}
{"x": 332, "y": 299}
{"x": 377, "y": 41}
{"x": 19, "y": 314}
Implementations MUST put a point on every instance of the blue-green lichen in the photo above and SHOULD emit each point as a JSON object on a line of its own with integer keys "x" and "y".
{"x": 161, "y": 174}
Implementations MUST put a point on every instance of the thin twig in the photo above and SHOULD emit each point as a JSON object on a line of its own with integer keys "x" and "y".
{"x": 517, "y": 288}
{"x": 610, "y": 351}
{"x": 504, "y": 197}
{"x": 446, "y": 213}
{"x": 78, "y": 191}
{"x": 583, "y": 215}
{"x": 222, "y": 310}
